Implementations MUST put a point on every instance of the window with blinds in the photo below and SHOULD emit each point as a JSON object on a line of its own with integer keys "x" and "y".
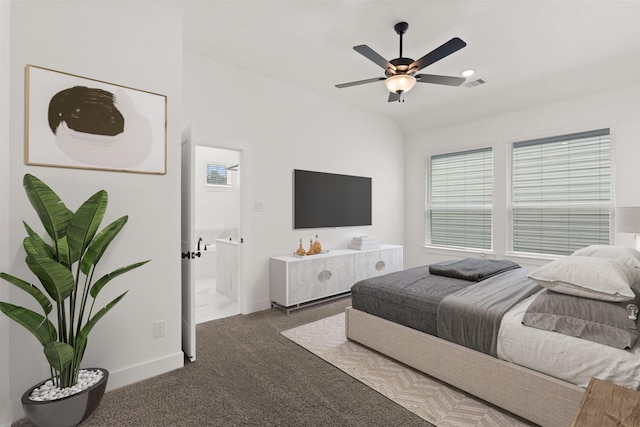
{"x": 561, "y": 193}
{"x": 216, "y": 174}
{"x": 459, "y": 200}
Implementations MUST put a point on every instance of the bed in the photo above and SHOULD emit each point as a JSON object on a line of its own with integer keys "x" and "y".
{"x": 534, "y": 371}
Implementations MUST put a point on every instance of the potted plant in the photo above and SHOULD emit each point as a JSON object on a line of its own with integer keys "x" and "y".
{"x": 65, "y": 268}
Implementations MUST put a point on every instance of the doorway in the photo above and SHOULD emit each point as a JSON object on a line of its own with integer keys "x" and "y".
{"x": 217, "y": 231}
{"x": 212, "y": 188}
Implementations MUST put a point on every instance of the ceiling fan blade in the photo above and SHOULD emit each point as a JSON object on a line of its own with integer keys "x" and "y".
{"x": 374, "y": 56}
{"x": 438, "y": 53}
{"x": 440, "y": 80}
{"x": 393, "y": 97}
{"x": 360, "y": 82}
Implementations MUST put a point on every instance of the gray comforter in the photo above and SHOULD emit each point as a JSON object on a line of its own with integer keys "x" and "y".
{"x": 410, "y": 297}
{"x": 471, "y": 316}
{"x": 471, "y": 313}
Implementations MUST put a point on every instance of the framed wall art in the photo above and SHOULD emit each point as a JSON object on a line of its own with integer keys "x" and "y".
{"x": 78, "y": 122}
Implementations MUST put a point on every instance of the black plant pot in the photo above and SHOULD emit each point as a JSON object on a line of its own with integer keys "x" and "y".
{"x": 68, "y": 411}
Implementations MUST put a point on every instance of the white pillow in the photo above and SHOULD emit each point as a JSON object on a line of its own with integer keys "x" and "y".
{"x": 629, "y": 256}
{"x": 591, "y": 277}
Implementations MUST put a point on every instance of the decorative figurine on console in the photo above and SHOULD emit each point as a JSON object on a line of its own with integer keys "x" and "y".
{"x": 317, "y": 247}
{"x": 311, "y": 250}
{"x": 300, "y": 251}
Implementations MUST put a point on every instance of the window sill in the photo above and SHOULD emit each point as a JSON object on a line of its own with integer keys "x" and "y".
{"x": 439, "y": 250}
{"x": 531, "y": 259}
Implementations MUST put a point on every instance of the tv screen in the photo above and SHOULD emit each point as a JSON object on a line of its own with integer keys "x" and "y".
{"x": 323, "y": 200}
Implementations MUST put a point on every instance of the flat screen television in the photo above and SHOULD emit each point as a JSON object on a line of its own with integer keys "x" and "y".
{"x": 322, "y": 200}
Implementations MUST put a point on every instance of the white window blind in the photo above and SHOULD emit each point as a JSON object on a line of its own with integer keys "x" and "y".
{"x": 459, "y": 199}
{"x": 561, "y": 193}
{"x": 216, "y": 174}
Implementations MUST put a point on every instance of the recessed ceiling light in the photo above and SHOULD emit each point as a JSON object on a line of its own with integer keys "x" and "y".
{"x": 468, "y": 73}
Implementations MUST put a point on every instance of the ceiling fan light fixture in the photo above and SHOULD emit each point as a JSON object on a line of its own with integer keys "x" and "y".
{"x": 400, "y": 73}
{"x": 400, "y": 83}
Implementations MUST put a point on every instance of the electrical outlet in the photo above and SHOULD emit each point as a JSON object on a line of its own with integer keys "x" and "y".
{"x": 158, "y": 329}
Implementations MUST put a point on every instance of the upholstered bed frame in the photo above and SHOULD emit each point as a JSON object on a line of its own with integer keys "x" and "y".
{"x": 531, "y": 395}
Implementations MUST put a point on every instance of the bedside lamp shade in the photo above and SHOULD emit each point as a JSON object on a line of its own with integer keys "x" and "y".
{"x": 628, "y": 221}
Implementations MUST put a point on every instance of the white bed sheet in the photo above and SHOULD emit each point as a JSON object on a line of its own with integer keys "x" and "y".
{"x": 571, "y": 359}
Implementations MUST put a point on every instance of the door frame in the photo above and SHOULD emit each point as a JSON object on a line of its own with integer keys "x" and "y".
{"x": 191, "y": 139}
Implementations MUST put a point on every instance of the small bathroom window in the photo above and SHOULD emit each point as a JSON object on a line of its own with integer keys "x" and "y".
{"x": 217, "y": 175}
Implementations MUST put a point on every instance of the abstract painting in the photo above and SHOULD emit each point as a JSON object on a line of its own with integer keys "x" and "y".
{"x": 78, "y": 122}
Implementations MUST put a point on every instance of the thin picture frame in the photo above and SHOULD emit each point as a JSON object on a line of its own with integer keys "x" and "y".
{"x": 78, "y": 122}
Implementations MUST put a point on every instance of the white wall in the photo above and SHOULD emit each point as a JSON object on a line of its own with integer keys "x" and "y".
{"x": 282, "y": 128}
{"x": 616, "y": 109}
{"x": 5, "y": 37}
{"x": 135, "y": 44}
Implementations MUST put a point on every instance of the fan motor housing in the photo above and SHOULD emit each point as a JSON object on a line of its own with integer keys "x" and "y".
{"x": 401, "y": 65}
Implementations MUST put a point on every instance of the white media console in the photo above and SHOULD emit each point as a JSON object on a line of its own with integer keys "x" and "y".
{"x": 295, "y": 282}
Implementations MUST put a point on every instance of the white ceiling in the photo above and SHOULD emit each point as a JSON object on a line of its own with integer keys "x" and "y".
{"x": 528, "y": 52}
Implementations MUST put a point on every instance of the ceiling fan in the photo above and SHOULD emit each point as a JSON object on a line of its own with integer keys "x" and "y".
{"x": 401, "y": 72}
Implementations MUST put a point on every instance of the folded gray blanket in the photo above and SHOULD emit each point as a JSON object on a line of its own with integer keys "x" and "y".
{"x": 473, "y": 269}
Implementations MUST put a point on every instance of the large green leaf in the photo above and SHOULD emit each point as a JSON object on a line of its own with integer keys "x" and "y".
{"x": 34, "y": 243}
{"x": 56, "y": 279}
{"x": 82, "y": 337}
{"x": 100, "y": 243}
{"x": 53, "y": 214}
{"x": 58, "y": 354}
{"x": 99, "y": 284}
{"x": 63, "y": 252}
{"x": 35, "y": 323}
{"x": 84, "y": 224}
{"x": 31, "y": 290}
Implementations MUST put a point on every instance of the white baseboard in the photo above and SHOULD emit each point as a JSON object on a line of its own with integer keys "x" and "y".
{"x": 257, "y": 306}
{"x": 6, "y": 411}
{"x": 124, "y": 377}
{"x": 133, "y": 374}
{"x": 17, "y": 411}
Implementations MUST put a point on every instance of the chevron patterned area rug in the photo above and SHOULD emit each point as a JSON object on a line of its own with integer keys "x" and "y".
{"x": 420, "y": 394}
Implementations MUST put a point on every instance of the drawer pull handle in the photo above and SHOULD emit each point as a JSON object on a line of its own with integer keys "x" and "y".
{"x": 380, "y": 265}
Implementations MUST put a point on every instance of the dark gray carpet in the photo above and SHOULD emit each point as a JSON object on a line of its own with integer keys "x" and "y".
{"x": 247, "y": 374}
